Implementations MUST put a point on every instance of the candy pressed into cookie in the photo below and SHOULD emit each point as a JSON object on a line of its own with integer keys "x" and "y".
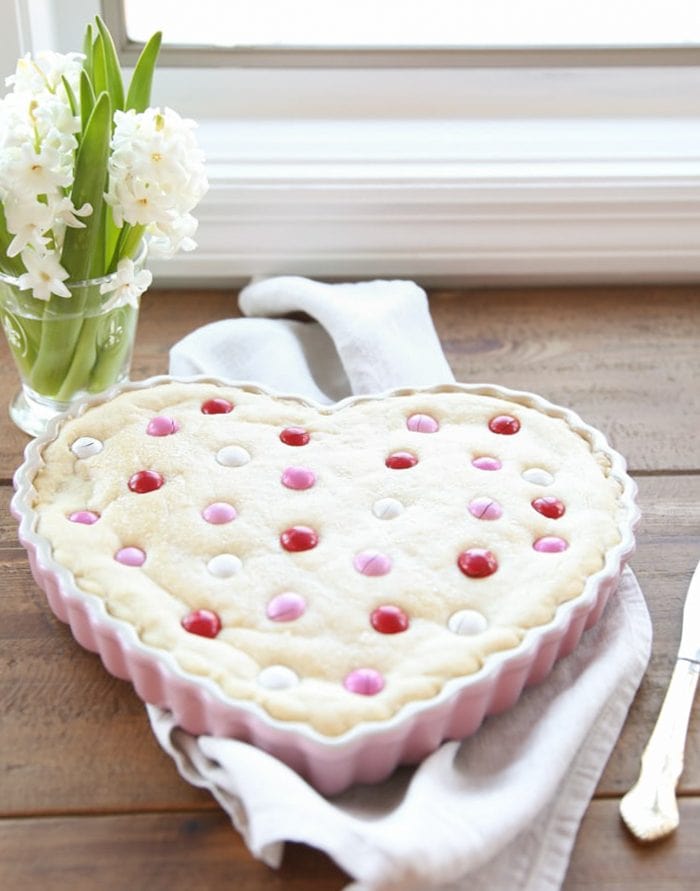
{"x": 330, "y": 568}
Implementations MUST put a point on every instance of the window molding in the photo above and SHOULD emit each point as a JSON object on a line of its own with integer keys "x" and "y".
{"x": 399, "y": 57}
{"x": 412, "y": 205}
{"x": 469, "y": 176}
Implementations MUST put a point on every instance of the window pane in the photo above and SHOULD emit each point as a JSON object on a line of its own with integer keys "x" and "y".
{"x": 418, "y": 23}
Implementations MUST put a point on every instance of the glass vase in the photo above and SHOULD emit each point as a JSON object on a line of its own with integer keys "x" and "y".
{"x": 67, "y": 348}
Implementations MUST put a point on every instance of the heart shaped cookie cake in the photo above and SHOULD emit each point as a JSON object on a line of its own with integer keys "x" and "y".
{"x": 308, "y": 577}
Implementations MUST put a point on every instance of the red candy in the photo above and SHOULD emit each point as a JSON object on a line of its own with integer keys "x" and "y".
{"x": 549, "y": 506}
{"x": 389, "y": 619}
{"x": 203, "y": 622}
{"x": 217, "y": 406}
{"x": 294, "y": 436}
{"x": 504, "y": 424}
{"x": 477, "y": 563}
{"x": 401, "y": 460}
{"x": 145, "y": 481}
{"x": 299, "y": 538}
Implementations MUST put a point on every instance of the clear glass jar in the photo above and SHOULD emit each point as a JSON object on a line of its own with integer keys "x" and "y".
{"x": 67, "y": 348}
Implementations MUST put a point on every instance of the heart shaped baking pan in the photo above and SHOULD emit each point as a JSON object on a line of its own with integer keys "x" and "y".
{"x": 344, "y": 587}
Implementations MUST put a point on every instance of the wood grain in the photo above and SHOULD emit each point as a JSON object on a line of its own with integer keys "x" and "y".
{"x": 179, "y": 852}
{"x": 159, "y": 852}
{"x": 84, "y": 783}
{"x": 607, "y": 858}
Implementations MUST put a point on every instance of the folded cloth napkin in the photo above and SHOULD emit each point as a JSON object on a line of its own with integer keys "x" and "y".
{"x": 498, "y": 811}
{"x": 369, "y": 337}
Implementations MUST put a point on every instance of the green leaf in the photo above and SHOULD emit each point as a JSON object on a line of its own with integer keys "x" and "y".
{"x": 87, "y": 51}
{"x": 112, "y": 236}
{"x": 99, "y": 66}
{"x": 130, "y": 244}
{"x": 87, "y": 99}
{"x": 72, "y": 101}
{"x": 113, "y": 69}
{"x": 139, "y": 95}
{"x": 83, "y": 252}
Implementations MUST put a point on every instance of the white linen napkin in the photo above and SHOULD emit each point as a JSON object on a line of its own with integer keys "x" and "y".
{"x": 498, "y": 811}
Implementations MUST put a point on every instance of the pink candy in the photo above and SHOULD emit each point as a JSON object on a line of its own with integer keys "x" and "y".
{"x": 286, "y": 607}
{"x": 486, "y": 462}
{"x": 219, "y": 512}
{"x": 162, "y": 426}
{"x": 298, "y": 478}
{"x": 372, "y": 563}
{"x": 422, "y": 424}
{"x": 365, "y": 681}
{"x": 86, "y": 517}
{"x": 485, "y": 509}
{"x": 550, "y": 544}
{"x": 130, "y": 556}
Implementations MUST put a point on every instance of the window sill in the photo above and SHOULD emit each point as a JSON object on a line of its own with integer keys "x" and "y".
{"x": 476, "y": 202}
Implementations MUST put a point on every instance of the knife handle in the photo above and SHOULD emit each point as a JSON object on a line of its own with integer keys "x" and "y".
{"x": 649, "y": 809}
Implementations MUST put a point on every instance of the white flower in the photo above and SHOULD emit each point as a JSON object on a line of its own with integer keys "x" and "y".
{"x": 33, "y": 173}
{"x": 156, "y": 175}
{"x": 36, "y": 158}
{"x": 65, "y": 213}
{"x": 127, "y": 284}
{"x": 27, "y": 220}
{"x": 44, "y": 275}
{"x": 55, "y": 122}
{"x": 44, "y": 72}
{"x": 173, "y": 237}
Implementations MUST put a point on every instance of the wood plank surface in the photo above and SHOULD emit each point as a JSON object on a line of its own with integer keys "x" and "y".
{"x": 194, "y": 850}
{"x": 82, "y": 780}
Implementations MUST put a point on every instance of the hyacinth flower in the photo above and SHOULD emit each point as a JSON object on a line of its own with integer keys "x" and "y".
{"x": 89, "y": 174}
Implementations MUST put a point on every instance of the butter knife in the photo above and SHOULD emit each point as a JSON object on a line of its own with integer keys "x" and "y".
{"x": 649, "y": 809}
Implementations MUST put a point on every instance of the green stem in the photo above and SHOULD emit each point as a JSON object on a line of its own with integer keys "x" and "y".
{"x": 127, "y": 244}
{"x": 82, "y": 361}
{"x": 113, "y": 358}
{"x": 132, "y": 241}
{"x": 59, "y": 338}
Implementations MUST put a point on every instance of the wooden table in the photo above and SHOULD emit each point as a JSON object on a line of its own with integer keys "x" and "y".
{"x": 88, "y": 800}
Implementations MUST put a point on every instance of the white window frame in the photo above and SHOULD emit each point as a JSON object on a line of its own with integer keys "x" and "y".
{"x": 447, "y": 175}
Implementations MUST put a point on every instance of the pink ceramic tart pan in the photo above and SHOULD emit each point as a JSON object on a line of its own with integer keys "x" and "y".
{"x": 344, "y": 587}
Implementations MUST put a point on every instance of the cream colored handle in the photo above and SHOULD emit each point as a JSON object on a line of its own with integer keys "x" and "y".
{"x": 649, "y": 809}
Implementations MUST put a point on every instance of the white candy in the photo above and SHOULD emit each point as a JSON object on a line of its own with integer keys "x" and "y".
{"x": 233, "y": 456}
{"x": 86, "y": 447}
{"x": 277, "y": 677}
{"x": 387, "y": 508}
{"x": 223, "y": 566}
{"x": 467, "y": 621}
{"x": 538, "y": 476}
